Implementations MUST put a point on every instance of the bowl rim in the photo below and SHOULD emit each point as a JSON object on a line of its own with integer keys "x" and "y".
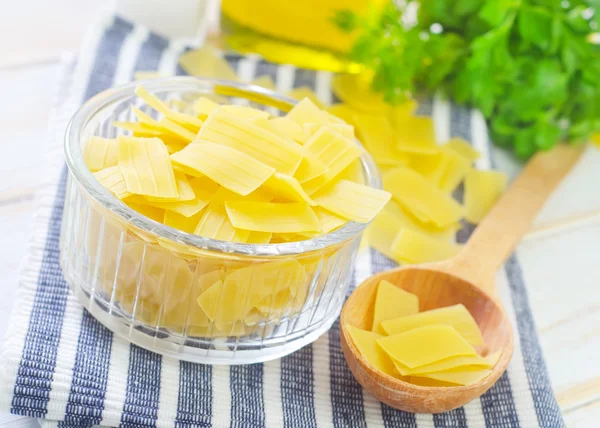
{"x": 81, "y": 174}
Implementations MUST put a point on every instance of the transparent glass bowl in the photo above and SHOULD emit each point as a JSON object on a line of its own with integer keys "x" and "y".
{"x": 142, "y": 279}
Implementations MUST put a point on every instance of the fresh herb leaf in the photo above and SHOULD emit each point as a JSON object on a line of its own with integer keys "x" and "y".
{"x": 535, "y": 26}
{"x": 524, "y": 142}
{"x": 466, "y": 7}
{"x": 546, "y": 134}
{"x": 529, "y": 65}
{"x": 494, "y": 12}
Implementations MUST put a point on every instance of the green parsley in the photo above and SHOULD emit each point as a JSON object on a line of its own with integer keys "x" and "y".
{"x": 530, "y": 66}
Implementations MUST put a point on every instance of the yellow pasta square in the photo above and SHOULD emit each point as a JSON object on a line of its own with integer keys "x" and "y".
{"x": 139, "y": 129}
{"x": 157, "y": 104}
{"x": 113, "y": 180}
{"x": 203, "y": 107}
{"x": 272, "y": 217}
{"x": 259, "y": 237}
{"x": 215, "y": 224}
{"x": 425, "y": 345}
{"x": 416, "y": 135}
{"x": 283, "y": 127}
{"x": 343, "y": 112}
{"x": 463, "y": 148}
{"x": 231, "y": 300}
{"x": 415, "y": 247}
{"x": 181, "y": 222}
{"x": 146, "y": 168}
{"x": 328, "y": 221}
{"x": 302, "y": 92}
{"x": 310, "y": 168}
{"x": 226, "y": 129}
{"x": 186, "y": 193}
{"x": 482, "y": 191}
{"x": 457, "y": 167}
{"x": 433, "y": 167}
{"x": 206, "y": 62}
{"x": 352, "y": 201}
{"x": 377, "y": 135}
{"x": 307, "y": 111}
{"x": 392, "y": 302}
{"x": 204, "y": 190}
{"x": 400, "y": 113}
{"x": 415, "y": 193}
{"x": 355, "y": 90}
{"x": 225, "y": 165}
{"x": 245, "y": 112}
{"x": 345, "y": 130}
{"x": 164, "y": 126}
{"x": 366, "y": 342}
{"x": 100, "y": 153}
{"x": 286, "y": 188}
{"x": 149, "y": 211}
{"x": 457, "y": 317}
{"x": 468, "y": 362}
{"x": 333, "y": 150}
{"x": 173, "y": 128}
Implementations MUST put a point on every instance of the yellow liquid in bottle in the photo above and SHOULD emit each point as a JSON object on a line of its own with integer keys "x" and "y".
{"x": 296, "y": 32}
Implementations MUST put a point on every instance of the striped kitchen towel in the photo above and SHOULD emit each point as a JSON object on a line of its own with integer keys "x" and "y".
{"x": 60, "y": 365}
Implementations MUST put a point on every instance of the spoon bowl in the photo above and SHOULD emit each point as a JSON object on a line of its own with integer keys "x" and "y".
{"x": 435, "y": 288}
{"x": 468, "y": 278}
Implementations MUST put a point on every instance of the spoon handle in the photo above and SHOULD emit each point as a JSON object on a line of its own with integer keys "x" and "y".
{"x": 511, "y": 218}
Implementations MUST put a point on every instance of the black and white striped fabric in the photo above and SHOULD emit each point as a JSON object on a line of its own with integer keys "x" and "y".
{"x": 60, "y": 365}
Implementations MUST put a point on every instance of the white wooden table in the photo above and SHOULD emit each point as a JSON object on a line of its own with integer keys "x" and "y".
{"x": 565, "y": 300}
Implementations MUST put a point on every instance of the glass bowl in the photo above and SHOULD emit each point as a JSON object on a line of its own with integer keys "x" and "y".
{"x": 142, "y": 279}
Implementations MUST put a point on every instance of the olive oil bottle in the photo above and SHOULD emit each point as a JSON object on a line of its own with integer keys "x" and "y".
{"x": 299, "y": 32}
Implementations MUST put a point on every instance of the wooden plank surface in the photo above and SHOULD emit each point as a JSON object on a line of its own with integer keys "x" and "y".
{"x": 560, "y": 268}
{"x": 37, "y": 31}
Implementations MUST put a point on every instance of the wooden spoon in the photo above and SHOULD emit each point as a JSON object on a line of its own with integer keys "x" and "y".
{"x": 469, "y": 278}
